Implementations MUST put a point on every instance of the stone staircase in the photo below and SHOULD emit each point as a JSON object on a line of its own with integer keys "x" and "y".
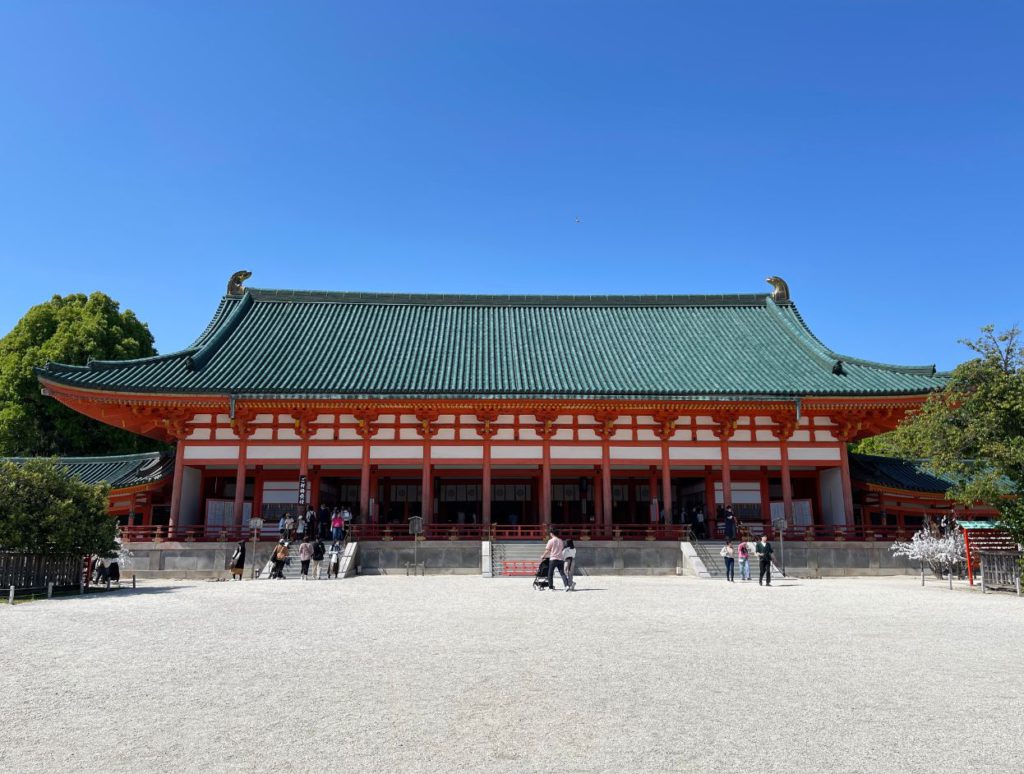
{"x": 708, "y": 550}
{"x": 293, "y": 569}
{"x": 514, "y": 552}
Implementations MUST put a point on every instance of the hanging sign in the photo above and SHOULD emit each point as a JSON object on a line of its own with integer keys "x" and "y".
{"x": 303, "y": 490}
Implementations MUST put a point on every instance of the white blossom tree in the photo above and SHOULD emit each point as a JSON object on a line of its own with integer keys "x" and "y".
{"x": 941, "y": 547}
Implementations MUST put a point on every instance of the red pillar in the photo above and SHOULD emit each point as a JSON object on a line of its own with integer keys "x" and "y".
{"x": 179, "y": 470}
{"x": 726, "y": 476}
{"x": 485, "y": 486}
{"x": 847, "y": 487}
{"x": 666, "y": 483}
{"x": 426, "y": 498}
{"x": 364, "y": 484}
{"x": 239, "y": 504}
{"x": 787, "y": 484}
{"x": 606, "y": 485}
{"x": 545, "y": 486}
{"x": 766, "y": 500}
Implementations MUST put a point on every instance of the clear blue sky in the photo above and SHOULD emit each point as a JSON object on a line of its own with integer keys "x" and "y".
{"x": 871, "y": 153}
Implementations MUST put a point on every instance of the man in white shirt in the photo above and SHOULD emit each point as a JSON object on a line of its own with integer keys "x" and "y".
{"x": 554, "y": 551}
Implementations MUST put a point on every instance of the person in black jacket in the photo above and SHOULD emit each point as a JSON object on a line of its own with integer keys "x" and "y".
{"x": 764, "y": 553}
{"x": 238, "y": 560}
{"x": 318, "y": 557}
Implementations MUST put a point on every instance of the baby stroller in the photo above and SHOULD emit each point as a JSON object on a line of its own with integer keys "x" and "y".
{"x": 540, "y": 580}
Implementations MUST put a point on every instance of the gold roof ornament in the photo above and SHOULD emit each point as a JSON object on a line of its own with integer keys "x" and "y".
{"x": 780, "y": 290}
{"x": 235, "y": 286}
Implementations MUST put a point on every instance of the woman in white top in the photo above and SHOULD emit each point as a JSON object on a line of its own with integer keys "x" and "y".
{"x": 727, "y": 554}
{"x": 569, "y": 553}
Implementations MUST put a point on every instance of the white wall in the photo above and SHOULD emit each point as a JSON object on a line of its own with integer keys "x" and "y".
{"x": 830, "y": 487}
{"x": 191, "y": 481}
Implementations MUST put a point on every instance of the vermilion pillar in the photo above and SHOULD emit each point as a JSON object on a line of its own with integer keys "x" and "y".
{"x": 485, "y": 494}
{"x": 666, "y": 483}
{"x": 847, "y": 487}
{"x": 726, "y": 476}
{"x": 179, "y": 470}
{"x": 787, "y": 484}
{"x": 364, "y": 484}
{"x": 427, "y": 497}
{"x": 239, "y": 504}
{"x": 545, "y": 486}
{"x": 606, "y": 485}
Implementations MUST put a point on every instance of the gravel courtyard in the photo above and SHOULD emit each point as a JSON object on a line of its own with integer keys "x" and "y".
{"x": 443, "y": 674}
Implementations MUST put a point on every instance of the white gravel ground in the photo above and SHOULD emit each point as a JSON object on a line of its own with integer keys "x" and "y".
{"x": 441, "y": 674}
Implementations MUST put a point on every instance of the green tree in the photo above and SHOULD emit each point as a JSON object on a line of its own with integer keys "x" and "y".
{"x": 70, "y": 329}
{"x": 973, "y": 431}
{"x": 43, "y": 511}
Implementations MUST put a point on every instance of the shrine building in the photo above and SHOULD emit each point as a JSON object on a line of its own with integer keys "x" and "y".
{"x": 498, "y": 416}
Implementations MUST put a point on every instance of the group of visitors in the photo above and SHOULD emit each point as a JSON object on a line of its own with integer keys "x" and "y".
{"x": 316, "y": 524}
{"x": 105, "y": 569}
{"x": 561, "y": 556}
{"x": 764, "y": 552}
{"x": 311, "y": 553}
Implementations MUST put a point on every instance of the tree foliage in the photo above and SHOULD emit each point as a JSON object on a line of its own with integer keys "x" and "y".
{"x": 973, "y": 431}
{"x": 70, "y": 329}
{"x": 42, "y": 510}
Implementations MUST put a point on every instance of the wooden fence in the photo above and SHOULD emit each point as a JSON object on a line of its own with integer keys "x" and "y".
{"x": 1000, "y": 571}
{"x": 34, "y": 571}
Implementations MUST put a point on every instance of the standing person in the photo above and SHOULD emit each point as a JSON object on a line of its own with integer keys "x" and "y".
{"x": 311, "y": 523}
{"x": 743, "y": 551}
{"x": 280, "y": 556}
{"x": 699, "y": 517}
{"x": 289, "y": 527}
{"x": 730, "y": 561}
{"x": 569, "y": 553}
{"x": 300, "y": 527}
{"x": 282, "y": 527}
{"x": 346, "y": 517}
{"x": 555, "y": 552}
{"x": 324, "y": 518}
{"x": 764, "y": 553}
{"x": 334, "y": 560}
{"x": 237, "y": 564}
{"x": 318, "y": 557}
{"x": 305, "y": 554}
{"x": 730, "y": 524}
{"x": 337, "y": 526}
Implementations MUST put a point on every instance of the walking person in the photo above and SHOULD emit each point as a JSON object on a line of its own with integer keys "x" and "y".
{"x": 237, "y": 564}
{"x": 305, "y": 554}
{"x": 280, "y": 556}
{"x": 300, "y": 527}
{"x": 727, "y": 554}
{"x": 334, "y": 560}
{"x": 743, "y": 551}
{"x": 318, "y": 557}
{"x": 730, "y": 524}
{"x": 554, "y": 551}
{"x": 699, "y": 525}
{"x": 337, "y": 526}
{"x": 764, "y": 553}
{"x": 289, "y": 527}
{"x": 569, "y": 553}
{"x": 282, "y": 526}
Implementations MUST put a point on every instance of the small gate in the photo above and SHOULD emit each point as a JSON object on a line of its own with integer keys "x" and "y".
{"x": 1000, "y": 571}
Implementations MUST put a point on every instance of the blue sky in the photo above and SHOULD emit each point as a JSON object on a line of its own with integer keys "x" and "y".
{"x": 871, "y": 153}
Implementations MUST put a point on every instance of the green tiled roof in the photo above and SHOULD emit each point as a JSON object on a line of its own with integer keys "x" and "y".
{"x": 120, "y": 471}
{"x": 895, "y": 473}
{"x": 365, "y": 345}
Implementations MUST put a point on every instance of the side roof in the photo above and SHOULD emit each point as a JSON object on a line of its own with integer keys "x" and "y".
{"x": 895, "y": 473}
{"x": 121, "y": 471}
{"x": 277, "y": 343}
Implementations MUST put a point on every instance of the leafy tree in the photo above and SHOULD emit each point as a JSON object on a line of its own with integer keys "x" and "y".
{"x": 884, "y": 445}
{"x": 973, "y": 431}
{"x": 69, "y": 329}
{"x": 42, "y": 510}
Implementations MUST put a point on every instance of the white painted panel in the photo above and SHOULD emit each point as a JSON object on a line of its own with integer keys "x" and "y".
{"x": 694, "y": 453}
{"x": 211, "y": 452}
{"x": 468, "y": 419}
{"x": 325, "y": 418}
{"x": 822, "y": 421}
{"x": 467, "y": 434}
{"x": 575, "y": 452}
{"x": 803, "y": 421}
{"x": 705, "y": 421}
{"x": 741, "y": 435}
{"x": 335, "y": 452}
{"x": 263, "y": 434}
{"x": 823, "y": 435}
{"x": 191, "y": 487}
{"x": 684, "y": 421}
{"x": 349, "y": 434}
{"x": 682, "y": 435}
{"x": 409, "y": 419}
{"x": 505, "y": 435}
{"x": 456, "y": 452}
{"x": 646, "y": 421}
{"x": 765, "y": 435}
{"x": 646, "y": 435}
{"x": 200, "y": 434}
{"x": 706, "y": 435}
{"x": 586, "y": 419}
{"x": 517, "y": 452}
{"x": 634, "y": 453}
{"x": 274, "y": 452}
{"x": 507, "y": 419}
{"x": 588, "y": 435}
{"x": 385, "y": 418}
{"x": 446, "y": 419}
{"x": 395, "y": 452}
{"x": 528, "y": 434}
{"x": 624, "y": 420}
{"x": 830, "y": 484}
{"x": 384, "y": 434}
{"x": 563, "y": 419}
{"x": 445, "y": 434}
{"x": 264, "y": 419}
{"x": 562, "y": 435}
{"x": 763, "y": 421}
{"x": 743, "y": 421}
{"x": 223, "y": 419}
{"x": 801, "y": 436}
{"x": 810, "y": 453}
{"x": 323, "y": 434}
{"x": 201, "y": 418}
{"x": 622, "y": 435}
{"x": 346, "y": 418}
{"x": 225, "y": 434}
{"x": 287, "y": 434}
{"x": 754, "y": 453}
{"x": 407, "y": 434}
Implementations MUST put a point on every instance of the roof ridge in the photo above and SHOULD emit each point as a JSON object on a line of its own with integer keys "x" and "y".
{"x": 94, "y": 458}
{"x": 480, "y": 299}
